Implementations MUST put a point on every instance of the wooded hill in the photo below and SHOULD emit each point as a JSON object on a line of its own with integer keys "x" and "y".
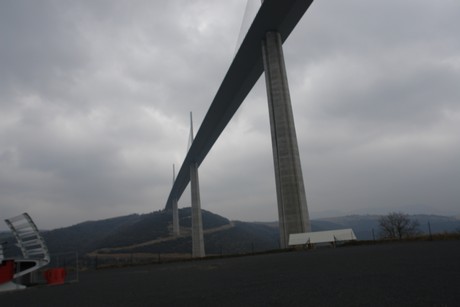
{"x": 151, "y": 233}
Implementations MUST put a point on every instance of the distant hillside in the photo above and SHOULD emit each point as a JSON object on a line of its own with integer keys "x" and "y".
{"x": 233, "y": 238}
{"x": 366, "y": 226}
{"x": 123, "y": 231}
{"x": 87, "y": 235}
{"x": 151, "y": 233}
{"x": 362, "y": 225}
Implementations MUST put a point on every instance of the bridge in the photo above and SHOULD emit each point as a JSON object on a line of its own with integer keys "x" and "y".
{"x": 261, "y": 50}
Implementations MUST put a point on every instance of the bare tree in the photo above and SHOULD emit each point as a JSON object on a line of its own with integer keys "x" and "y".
{"x": 397, "y": 225}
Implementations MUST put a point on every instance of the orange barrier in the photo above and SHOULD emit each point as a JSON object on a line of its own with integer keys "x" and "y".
{"x": 6, "y": 271}
{"x": 55, "y": 276}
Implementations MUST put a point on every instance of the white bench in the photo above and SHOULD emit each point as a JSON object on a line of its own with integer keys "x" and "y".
{"x": 34, "y": 251}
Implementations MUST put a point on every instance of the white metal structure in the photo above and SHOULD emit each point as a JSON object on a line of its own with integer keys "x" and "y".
{"x": 331, "y": 236}
{"x": 34, "y": 251}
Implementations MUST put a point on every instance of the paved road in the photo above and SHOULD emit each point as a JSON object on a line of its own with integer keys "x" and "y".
{"x": 408, "y": 274}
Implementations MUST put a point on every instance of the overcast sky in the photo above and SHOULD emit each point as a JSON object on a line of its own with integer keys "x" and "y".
{"x": 95, "y": 99}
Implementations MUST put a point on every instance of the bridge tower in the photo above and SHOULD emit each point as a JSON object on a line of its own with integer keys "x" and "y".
{"x": 197, "y": 221}
{"x": 290, "y": 190}
{"x": 175, "y": 210}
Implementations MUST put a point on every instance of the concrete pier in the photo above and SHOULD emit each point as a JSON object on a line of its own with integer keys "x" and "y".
{"x": 175, "y": 218}
{"x": 197, "y": 223}
{"x": 292, "y": 202}
{"x": 175, "y": 209}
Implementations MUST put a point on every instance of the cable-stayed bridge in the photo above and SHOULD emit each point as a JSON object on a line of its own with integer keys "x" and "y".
{"x": 260, "y": 50}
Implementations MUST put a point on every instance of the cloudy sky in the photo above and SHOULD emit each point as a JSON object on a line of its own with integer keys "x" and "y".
{"x": 95, "y": 99}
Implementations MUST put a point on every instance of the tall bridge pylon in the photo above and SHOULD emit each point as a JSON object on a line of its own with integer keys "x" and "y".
{"x": 290, "y": 190}
{"x": 260, "y": 50}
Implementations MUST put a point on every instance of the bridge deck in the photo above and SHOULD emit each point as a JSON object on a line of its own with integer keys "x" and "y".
{"x": 245, "y": 70}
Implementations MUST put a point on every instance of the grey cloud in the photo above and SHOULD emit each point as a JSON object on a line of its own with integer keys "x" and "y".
{"x": 95, "y": 96}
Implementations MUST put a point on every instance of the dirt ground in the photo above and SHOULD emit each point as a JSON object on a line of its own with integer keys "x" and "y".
{"x": 396, "y": 274}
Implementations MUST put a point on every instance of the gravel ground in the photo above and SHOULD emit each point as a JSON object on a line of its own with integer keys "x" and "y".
{"x": 397, "y": 274}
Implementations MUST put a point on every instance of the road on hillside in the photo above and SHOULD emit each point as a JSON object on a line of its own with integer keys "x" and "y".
{"x": 405, "y": 274}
